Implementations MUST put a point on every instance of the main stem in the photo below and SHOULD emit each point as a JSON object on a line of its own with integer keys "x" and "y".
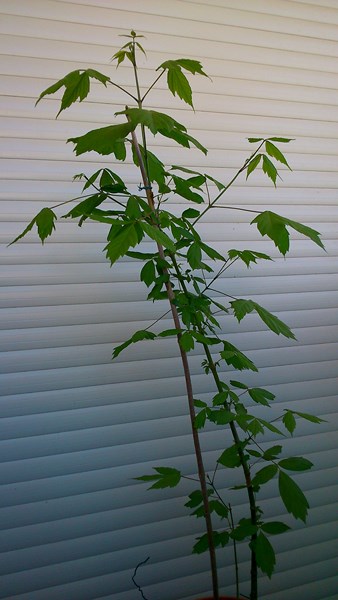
{"x": 188, "y": 385}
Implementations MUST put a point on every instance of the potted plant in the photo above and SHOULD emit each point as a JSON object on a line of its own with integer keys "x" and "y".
{"x": 183, "y": 269}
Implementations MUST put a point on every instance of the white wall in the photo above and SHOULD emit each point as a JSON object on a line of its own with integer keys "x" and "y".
{"x": 75, "y": 428}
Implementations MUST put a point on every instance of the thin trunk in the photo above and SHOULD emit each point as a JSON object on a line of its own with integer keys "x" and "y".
{"x": 188, "y": 384}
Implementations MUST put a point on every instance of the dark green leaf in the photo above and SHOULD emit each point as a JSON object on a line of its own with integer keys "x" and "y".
{"x": 200, "y": 403}
{"x": 220, "y": 186}
{"x": 275, "y": 527}
{"x": 166, "y": 477}
{"x": 261, "y": 396}
{"x": 221, "y": 417}
{"x": 289, "y": 421}
{"x": 308, "y": 417}
{"x": 106, "y": 140}
{"x": 230, "y": 458}
{"x": 275, "y": 227}
{"x": 281, "y": 140}
{"x": 237, "y": 359}
{"x": 293, "y": 497}
{"x": 264, "y": 475}
{"x": 220, "y": 398}
{"x": 187, "y": 341}
{"x": 194, "y": 256}
{"x": 272, "y": 452}
{"x": 148, "y": 273}
{"x": 244, "y": 529}
{"x": 179, "y": 84}
{"x": 77, "y": 85}
{"x": 270, "y": 426}
{"x": 182, "y": 188}
{"x": 169, "y": 332}
{"x": 190, "y": 213}
{"x": 264, "y": 553}
{"x": 211, "y": 252}
{"x": 219, "y": 508}
{"x": 183, "y": 138}
{"x": 238, "y": 384}
{"x": 253, "y": 140}
{"x": 295, "y": 463}
{"x": 200, "y": 419}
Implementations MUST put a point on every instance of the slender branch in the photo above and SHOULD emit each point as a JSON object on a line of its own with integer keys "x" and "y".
{"x": 134, "y": 575}
{"x": 122, "y": 89}
{"x": 243, "y": 167}
{"x": 152, "y": 85}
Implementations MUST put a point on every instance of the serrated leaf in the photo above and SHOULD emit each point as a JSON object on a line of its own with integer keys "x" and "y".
{"x": 219, "y": 508}
{"x": 269, "y": 169}
{"x": 184, "y": 139}
{"x": 169, "y": 333}
{"x": 166, "y": 477}
{"x": 77, "y": 86}
{"x": 253, "y": 140}
{"x": 238, "y": 384}
{"x": 187, "y": 341}
{"x": 264, "y": 475}
{"x": 194, "y": 256}
{"x": 106, "y": 140}
{"x": 85, "y": 207}
{"x": 138, "y": 336}
{"x": 211, "y": 252}
{"x": 158, "y": 236}
{"x": 311, "y": 418}
{"x": 295, "y": 463}
{"x": 276, "y": 153}
{"x": 220, "y": 398}
{"x": 275, "y": 227}
{"x": 261, "y": 396}
{"x": 179, "y": 84}
{"x": 121, "y": 242}
{"x": 200, "y": 419}
{"x": 281, "y": 140}
{"x": 243, "y": 530}
{"x": 199, "y": 403}
{"x": 236, "y": 358}
{"x": 264, "y": 552}
{"x": 275, "y": 527}
{"x": 289, "y": 421}
{"x": 183, "y": 189}
{"x": 293, "y": 497}
{"x": 44, "y": 221}
{"x": 253, "y": 164}
{"x": 247, "y": 256}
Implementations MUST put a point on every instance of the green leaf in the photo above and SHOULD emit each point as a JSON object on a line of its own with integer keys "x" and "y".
{"x": 253, "y": 164}
{"x": 311, "y": 418}
{"x": 211, "y": 252}
{"x": 106, "y": 140}
{"x": 177, "y": 81}
{"x": 200, "y": 403}
{"x": 261, "y": 396}
{"x": 141, "y": 255}
{"x": 264, "y": 552}
{"x": 184, "y": 139}
{"x": 230, "y": 458}
{"x": 237, "y": 359}
{"x": 190, "y": 213}
{"x": 120, "y": 243}
{"x": 273, "y": 323}
{"x": 253, "y": 140}
{"x": 219, "y": 539}
{"x": 166, "y": 477}
{"x": 182, "y": 188}
{"x": 200, "y": 419}
{"x": 281, "y": 140}
{"x": 275, "y": 527}
{"x": 221, "y": 417}
{"x": 238, "y": 384}
{"x": 275, "y": 227}
{"x": 85, "y": 207}
{"x": 157, "y": 235}
{"x": 187, "y": 341}
{"x": 264, "y": 475}
{"x": 270, "y": 169}
{"x": 219, "y": 508}
{"x": 44, "y": 221}
{"x": 276, "y": 153}
{"x": 220, "y": 398}
{"x": 270, "y": 426}
{"x": 293, "y": 497}
{"x": 289, "y": 421}
{"x": 148, "y": 273}
{"x": 295, "y": 463}
{"x": 77, "y": 86}
{"x": 194, "y": 256}
{"x": 244, "y": 529}
{"x": 138, "y": 336}
{"x": 247, "y": 256}
{"x": 272, "y": 452}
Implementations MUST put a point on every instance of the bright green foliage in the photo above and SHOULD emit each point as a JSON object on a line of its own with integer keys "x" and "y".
{"x": 275, "y": 227}
{"x": 181, "y": 266}
{"x": 177, "y": 81}
{"x": 77, "y": 86}
{"x": 45, "y": 222}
